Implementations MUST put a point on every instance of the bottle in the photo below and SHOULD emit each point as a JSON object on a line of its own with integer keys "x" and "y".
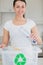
{"x": 34, "y": 42}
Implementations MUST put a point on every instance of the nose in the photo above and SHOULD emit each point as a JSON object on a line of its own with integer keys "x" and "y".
{"x": 20, "y": 9}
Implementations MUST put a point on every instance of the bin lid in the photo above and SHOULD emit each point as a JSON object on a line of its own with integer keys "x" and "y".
{"x": 9, "y": 50}
{"x": 37, "y": 49}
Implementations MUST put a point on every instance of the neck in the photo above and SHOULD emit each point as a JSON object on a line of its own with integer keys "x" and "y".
{"x": 19, "y": 18}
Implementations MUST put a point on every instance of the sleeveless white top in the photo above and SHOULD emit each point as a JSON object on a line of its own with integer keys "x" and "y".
{"x": 19, "y": 34}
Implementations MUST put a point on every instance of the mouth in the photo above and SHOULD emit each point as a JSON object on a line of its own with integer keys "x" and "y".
{"x": 20, "y": 12}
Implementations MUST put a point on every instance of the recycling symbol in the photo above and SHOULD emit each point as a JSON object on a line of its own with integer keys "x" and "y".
{"x": 20, "y": 59}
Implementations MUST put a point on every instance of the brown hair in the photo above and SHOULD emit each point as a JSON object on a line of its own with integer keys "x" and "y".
{"x": 19, "y": 0}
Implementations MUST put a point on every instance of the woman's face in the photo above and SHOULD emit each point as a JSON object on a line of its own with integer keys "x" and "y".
{"x": 20, "y": 8}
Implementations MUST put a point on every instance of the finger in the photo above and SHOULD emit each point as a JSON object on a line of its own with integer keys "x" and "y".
{"x": 0, "y": 46}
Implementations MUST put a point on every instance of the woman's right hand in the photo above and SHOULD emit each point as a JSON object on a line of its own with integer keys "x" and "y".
{"x": 2, "y": 45}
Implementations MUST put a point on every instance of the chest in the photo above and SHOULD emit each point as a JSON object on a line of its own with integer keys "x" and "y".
{"x": 20, "y": 31}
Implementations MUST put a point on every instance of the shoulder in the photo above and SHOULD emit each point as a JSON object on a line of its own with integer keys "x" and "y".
{"x": 7, "y": 25}
{"x": 31, "y": 23}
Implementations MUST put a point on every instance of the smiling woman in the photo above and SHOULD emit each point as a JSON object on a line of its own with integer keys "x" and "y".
{"x": 12, "y": 31}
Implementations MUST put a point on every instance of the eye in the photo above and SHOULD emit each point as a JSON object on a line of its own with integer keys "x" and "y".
{"x": 17, "y": 6}
{"x": 23, "y": 6}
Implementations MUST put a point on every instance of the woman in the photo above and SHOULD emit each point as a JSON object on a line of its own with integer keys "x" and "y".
{"x": 19, "y": 7}
{"x": 13, "y": 29}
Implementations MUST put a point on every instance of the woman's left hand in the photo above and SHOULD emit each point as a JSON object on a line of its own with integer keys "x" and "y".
{"x": 34, "y": 36}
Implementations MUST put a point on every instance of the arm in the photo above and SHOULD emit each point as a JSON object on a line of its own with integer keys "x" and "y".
{"x": 5, "y": 38}
{"x": 35, "y": 35}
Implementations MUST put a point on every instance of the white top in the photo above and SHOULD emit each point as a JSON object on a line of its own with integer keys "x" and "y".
{"x": 19, "y": 33}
